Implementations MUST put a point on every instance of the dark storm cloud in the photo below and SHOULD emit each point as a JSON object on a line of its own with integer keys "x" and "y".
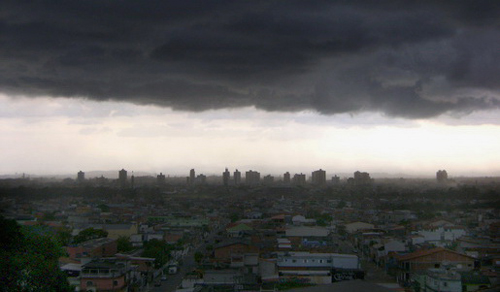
{"x": 402, "y": 58}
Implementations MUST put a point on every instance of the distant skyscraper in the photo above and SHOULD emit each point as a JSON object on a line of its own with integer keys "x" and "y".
{"x": 286, "y": 177}
{"x": 80, "y": 177}
{"x": 132, "y": 180}
{"x": 268, "y": 179}
{"x": 122, "y": 178}
{"x": 299, "y": 179}
{"x": 335, "y": 180}
{"x": 362, "y": 178}
{"x": 160, "y": 179}
{"x": 237, "y": 177}
{"x": 201, "y": 179}
{"x": 441, "y": 176}
{"x": 225, "y": 177}
{"x": 318, "y": 177}
{"x": 252, "y": 177}
{"x": 191, "y": 177}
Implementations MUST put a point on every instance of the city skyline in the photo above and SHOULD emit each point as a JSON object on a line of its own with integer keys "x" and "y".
{"x": 406, "y": 88}
{"x": 227, "y": 177}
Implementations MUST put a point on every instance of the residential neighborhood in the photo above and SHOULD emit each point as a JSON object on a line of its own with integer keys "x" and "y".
{"x": 381, "y": 236}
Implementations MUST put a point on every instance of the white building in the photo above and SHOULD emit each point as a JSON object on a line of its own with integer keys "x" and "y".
{"x": 443, "y": 280}
{"x": 317, "y": 268}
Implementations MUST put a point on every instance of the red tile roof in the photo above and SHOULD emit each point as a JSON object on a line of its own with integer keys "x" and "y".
{"x": 422, "y": 253}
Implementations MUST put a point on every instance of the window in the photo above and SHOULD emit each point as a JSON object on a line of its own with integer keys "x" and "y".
{"x": 329, "y": 261}
{"x": 90, "y": 283}
{"x": 115, "y": 283}
{"x": 445, "y": 284}
{"x": 294, "y": 261}
{"x": 320, "y": 261}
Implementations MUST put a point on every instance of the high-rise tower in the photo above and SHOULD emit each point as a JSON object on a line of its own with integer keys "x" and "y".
{"x": 225, "y": 177}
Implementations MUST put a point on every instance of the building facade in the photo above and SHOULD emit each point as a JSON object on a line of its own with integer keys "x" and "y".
{"x": 318, "y": 177}
{"x": 225, "y": 177}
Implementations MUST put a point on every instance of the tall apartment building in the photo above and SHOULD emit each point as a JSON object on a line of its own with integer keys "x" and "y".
{"x": 299, "y": 179}
{"x": 80, "y": 176}
{"x": 441, "y": 176}
{"x": 192, "y": 177}
{"x": 225, "y": 177}
{"x": 237, "y": 177}
{"x": 122, "y": 178}
{"x": 286, "y": 177}
{"x": 160, "y": 179}
{"x": 318, "y": 177}
{"x": 252, "y": 177}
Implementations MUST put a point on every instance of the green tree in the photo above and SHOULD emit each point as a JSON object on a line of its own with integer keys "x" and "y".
{"x": 157, "y": 249}
{"x": 29, "y": 260}
{"x": 124, "y": 244}
{"x": 198, "y": 256}
{"x": 64, "y": 236}
{"x": 324, "y": 219}
{"x": 103, "y": 207}
{"x": 234, "y": 217}
{"x": 88, "y": 234}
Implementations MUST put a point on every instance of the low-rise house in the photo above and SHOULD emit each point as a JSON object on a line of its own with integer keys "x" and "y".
{"x": 301, "y": 220}
{"x": 221, "y": 277}
{"x": 440, "y": 280}
{"x": 137, "y": 240}
{"x": 307, "y": 231}
{"x": 150, "y": 236}
{"x": 100, "y": 247}
{"x": 118, "y": 230}
{"x": 105, "y": 275}
{"x": 144, "y": 265}
{"x": 442, "y": 235}
{"x": 379, "y": 251}
{"x": 318, "y": 268}
{"x": 422, "y": 260}
{"x": 478, "y": 246}
{"x": 115, "y": 231}
{"x": 224, "y": 251}
{"x": 474, "y": 281}
{"x": 239, "y": 230}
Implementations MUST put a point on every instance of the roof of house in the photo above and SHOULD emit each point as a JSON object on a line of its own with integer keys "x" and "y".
{"x": 422, "y": 253}
{"x": 229, "y": 243}
{"x": 239, "y": 227}
{"x": 314, "y": 231}
{"x": 93, "y": 243}
{"x": 352, "y": 286}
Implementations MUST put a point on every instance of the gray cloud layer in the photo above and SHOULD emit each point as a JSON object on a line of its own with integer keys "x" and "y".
{"x": 413, "y": 59}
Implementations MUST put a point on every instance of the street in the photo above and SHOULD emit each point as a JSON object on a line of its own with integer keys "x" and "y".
{"x": 188, "y": 264}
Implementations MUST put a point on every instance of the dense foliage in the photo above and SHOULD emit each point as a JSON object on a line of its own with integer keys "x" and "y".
{"x": 124, "y": 244}
{"x": 159, "y": 250}
{"x": 29, "y": 260}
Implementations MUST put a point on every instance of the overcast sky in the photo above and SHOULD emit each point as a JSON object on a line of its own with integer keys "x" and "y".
{"x": 380, "y": 86}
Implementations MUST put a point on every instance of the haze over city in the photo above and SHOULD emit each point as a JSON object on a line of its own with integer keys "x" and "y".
{"x": 250, "y": 146}
{"x": 166, "y": 86}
